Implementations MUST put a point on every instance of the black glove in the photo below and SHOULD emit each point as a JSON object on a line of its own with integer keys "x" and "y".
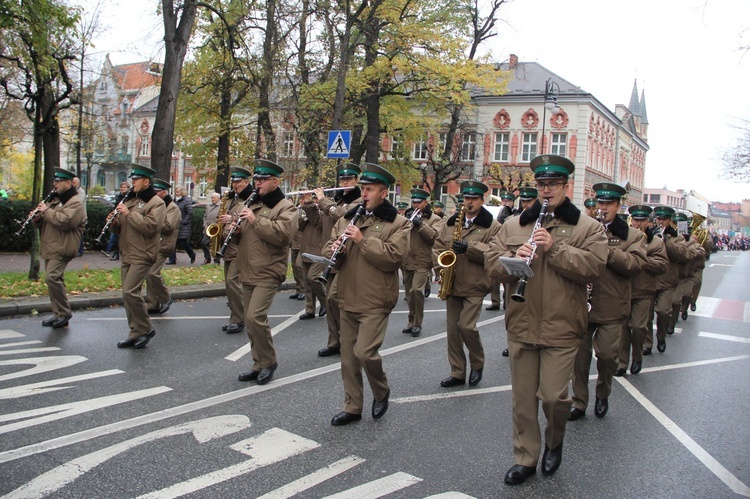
{"x": 459, "y": 247}
{"x": 417, "y": 222}
{"x": 671, "y": 231}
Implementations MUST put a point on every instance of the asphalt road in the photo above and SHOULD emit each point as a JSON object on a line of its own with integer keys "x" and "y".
{"x": 81, "y": 418}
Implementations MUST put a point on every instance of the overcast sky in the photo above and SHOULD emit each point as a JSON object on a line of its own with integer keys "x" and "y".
{"x": 685, "y": 54}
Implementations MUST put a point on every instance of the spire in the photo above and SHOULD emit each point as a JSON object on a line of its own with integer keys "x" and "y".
{"x": 634, "y": 105}
{"x": 644, "y": 116}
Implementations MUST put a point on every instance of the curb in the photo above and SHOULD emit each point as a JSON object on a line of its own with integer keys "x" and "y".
{"x": 27, "y": 306}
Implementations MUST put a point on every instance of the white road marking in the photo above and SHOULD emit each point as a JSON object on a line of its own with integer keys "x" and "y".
{"x": 30, "y": 350}
{"x": 737, "y": 339}
{"x": 450, "y": 495}
{"x": 694, "y": 364}
{"x": 55, "y": 412}
{"x": 182, "y": 318}
{"x": 245, "y": 349}
{"x": 9, "y": 333}
{"x": 315, "y": 478}
{"x": 706, "y": 306}
{"x": 721, "y": 265}
{"x": 20, "y": 344}
{"x": 400, "y": 312}
{"x": 42, "y": 386}
{"x": 204, "y": 430}
{"x": 450, "y": 395}
{"x": 272, "y": 446}
{"x": 42, "y": 364}
{"x": 746, "y": 312}
{"x": 379, "y": 488}
{"x": 712, "y": 464}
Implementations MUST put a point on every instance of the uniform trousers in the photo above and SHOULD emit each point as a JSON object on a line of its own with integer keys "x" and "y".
{"x": 539, "y": 374}
{"x": 495, "y": 295}
{"x": 462, "y": 316}
{"x": 634, "y": 331}
{"x": 333, "y": 315}
{"x": 133, "y": 276}
{"x": 687, "y": 292}
{"x": 361, "y": 337}
{"x": 663, "y": 309}
{"x": 697, "y": 283}
{"x": 234, "y": 291}
{"x": 677, "y": 300}
{"x": 414, "y": 284}
{"x": 312, "y": 288}
{"x": 299, "y": 282}
{"x": 54, "y": 271}
{"x": 257, "y": 301}
{"x": 157, "y": 292}
{"x": 605, "y": 340}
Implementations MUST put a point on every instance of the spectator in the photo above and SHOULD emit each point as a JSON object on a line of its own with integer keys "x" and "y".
{"x": 212, "y": 212}
{"x": 185, "y": 204}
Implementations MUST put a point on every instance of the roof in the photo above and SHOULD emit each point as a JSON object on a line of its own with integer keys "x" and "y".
{"x": 137, "y": 75}
{"x": 530, "y": 78}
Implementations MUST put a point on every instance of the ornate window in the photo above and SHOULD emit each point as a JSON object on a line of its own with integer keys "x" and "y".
{"x": 559, "y": 143}
{"x": 468, "y": 146}
{"x": 528, "y": 150}
{"x": 420, "y": 148}
{"x": 501, "y": 146}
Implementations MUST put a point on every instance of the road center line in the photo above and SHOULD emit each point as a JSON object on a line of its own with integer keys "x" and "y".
{"x": 716, "y": 336}
{"x": 245, "y": 349}
{"x": 315, "y": 478}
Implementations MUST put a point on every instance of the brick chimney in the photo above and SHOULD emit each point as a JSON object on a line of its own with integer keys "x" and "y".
{"x": 513, "y": 61}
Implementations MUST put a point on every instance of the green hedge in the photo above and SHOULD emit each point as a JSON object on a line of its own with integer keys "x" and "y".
{"x": 97, "y": 214}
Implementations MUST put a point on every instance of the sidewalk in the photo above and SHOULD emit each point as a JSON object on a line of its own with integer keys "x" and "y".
{"x": 19, "y": 262}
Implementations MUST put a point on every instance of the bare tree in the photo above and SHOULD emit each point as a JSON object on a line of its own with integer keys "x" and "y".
{"x": 737, "y": 159}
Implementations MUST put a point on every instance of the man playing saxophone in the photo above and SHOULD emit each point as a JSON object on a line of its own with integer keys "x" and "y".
{"x": 545, "y": 329}
{"x": 470, "y": 282}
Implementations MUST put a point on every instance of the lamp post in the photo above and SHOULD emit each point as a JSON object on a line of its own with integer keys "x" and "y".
{"x": 551, "y": 91}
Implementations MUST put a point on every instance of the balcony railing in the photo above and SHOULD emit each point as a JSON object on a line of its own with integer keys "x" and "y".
{"x": 119, "y": 157}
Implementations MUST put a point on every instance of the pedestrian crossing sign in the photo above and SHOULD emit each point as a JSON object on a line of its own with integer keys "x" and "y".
{"x": 339, "y": 142}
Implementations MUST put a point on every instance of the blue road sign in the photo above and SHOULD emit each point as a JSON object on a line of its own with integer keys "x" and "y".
{"x": 339, "y": 142}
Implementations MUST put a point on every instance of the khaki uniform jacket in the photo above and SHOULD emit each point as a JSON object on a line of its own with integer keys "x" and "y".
{"x": 610, "y": 295}
{"x": 295, "y": 238}
{"x": 140, "y": 229}
{"x": 170, "y": 227}
{"x": 644, "y": 284}
{"x": 235, "y": 205}
{"x": 264, "y": 246}
{"x": 470, "y": 278}
{"x": 334, "y": 209}
{"x": 62, "y": 227}
{"x": 311, "y": 227}
{"x": 555, "y": 311}
{"x": 677, "y": 253}
{"x": 694, "y": 252}
{"x": 421, "y": 243}
{"x": 368, "y": 272}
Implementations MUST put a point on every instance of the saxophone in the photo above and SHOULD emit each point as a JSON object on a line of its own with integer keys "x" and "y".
{"x": 447, "y": 259}
{"x": 215, "y": 230}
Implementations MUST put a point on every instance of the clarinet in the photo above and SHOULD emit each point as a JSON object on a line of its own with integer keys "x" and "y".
{"x": 111, "y": 217}
{"x": 34, "y": 213}
{"x": 233, "y": 228}
{"x": 521, "y": 289}
{"x": 323, "y": 278}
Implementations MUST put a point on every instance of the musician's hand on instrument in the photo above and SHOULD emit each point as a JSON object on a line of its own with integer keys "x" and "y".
{"x": 226, "y": 218}
{"x": 307, "y": 197}
{"x": 459, "y": 247}
{"x": 352, "y": 232}
{"x": 319, "y": 193}
{"x": 417, "y": 222}
{"x": 41, "y": 207}
{"x": 248, "y": 214}
{"x": 336, "y": 246}
{"x": 122, "y": 209}
{"x": 543, "y": 239}
{"x": 524, "y": 251}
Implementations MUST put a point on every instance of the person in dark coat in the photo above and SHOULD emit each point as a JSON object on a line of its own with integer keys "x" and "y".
{"x": 185, "y": 204}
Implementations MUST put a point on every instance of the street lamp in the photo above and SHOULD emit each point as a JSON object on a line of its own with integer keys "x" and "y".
{"x": 551, "y": 91}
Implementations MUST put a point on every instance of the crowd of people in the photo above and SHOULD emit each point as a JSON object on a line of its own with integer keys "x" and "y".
{"x": 725, "y": 242}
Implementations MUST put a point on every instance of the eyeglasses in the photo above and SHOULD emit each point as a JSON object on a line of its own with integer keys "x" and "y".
{"x": 260, "y": 180}
{"x": 552, "y": 186}
{"x": 58, "y": 180}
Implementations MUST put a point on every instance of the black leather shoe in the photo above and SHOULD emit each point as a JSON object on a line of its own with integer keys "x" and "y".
{"x": 322, "y": 311}
{"x": 505, "y": 353}
{"x": 266, "y": 374}
{"x": 406, "y": 331}
{"x": 601, "y": 406}
{"x": 152, "y": 311}
{"x": 328, "y": 351}
{"x": 670, "y": 330}
{"x": 451, "y": 381}
{"x": 306, "y": 316}
{"x": 518, "y": 474}
{"x": 647, "y": 351}
{"x": 661, "y": 345}
{"x": 475, "y": 377}
{"x": 61, "y": 322}
{"x": 49, "y": 322}
{"x": 344, "y": 418}
{"x": 635, "y": 367}
{"x": 493, "y": 307}
{"x": 143, "y": 339}
{"x": 168, "y": 263}
{"x": 293, "y": 296}
{"x": 379, "y": 407}
{"x": 235, "y": 328}
{"x": 192, "y": 259}
{"x": 427, "y": 292}
{"x": 692, "y": 307}
{"x": 249, "y": 376}
{"x": 551, "y": 460}
{"x": 301, "y": 296}
{"x": 576, "y": 414}
{"x": 225, "y": 326}
{"x": 416, "y": 331}
{"x": 165, "y": 307}
{"x": 620, "y": 372}
{"x": 126, "y": 343}
{"x": 684, "y": 315}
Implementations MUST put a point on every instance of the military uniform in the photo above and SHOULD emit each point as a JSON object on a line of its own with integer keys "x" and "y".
{"x": 368, "y": 291}
{"x": 294, "y": 250}
{"x": 610, "y": 305}
{"x": 62, "y": 223}
{"x": 157, "y": 294}
{"x": 311, "y": 227}
{"x": 545, "y": 329}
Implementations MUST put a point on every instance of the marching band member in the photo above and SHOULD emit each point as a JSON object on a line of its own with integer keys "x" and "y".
{"x": 62, "y": 223}
{"x": 372, "y": 254}
{"x": 643, "y": 291}
{"x": 158, "y": 300}
{"x": 543, "y": 330}
{"x": 311, "y": 226}
{"x": 590, "y": 205}
{"x": 610, "y": 303}
{"x": 262, "y": 255}
{"x": 139, "y": 225}
{"x": 508, "y": 200}
{"x": 417, "y": 265}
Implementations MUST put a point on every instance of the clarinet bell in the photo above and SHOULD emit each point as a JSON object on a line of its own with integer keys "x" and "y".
{"x": 518, "y": 296}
